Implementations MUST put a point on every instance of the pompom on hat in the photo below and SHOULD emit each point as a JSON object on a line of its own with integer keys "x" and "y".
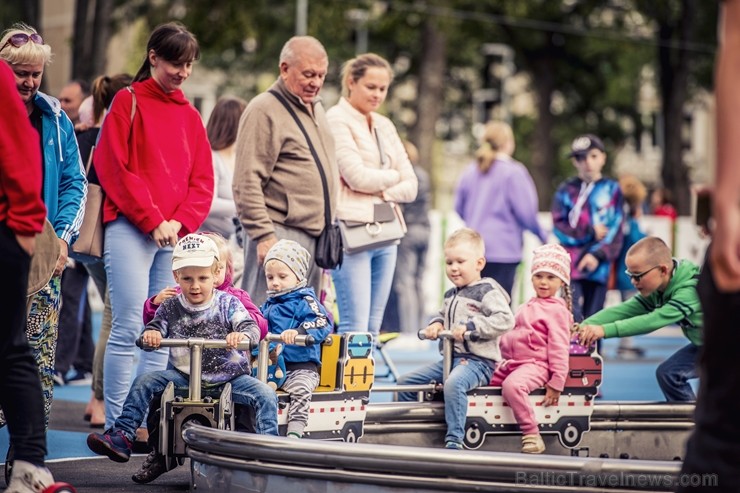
{"x": 553, "y": 259}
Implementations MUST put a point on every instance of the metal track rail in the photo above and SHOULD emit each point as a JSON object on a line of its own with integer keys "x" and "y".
{"x": 229, "y": 461}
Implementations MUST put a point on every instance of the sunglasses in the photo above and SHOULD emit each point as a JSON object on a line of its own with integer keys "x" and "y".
{"x": 638, "y": 277}
{"x": 21, "y": 39}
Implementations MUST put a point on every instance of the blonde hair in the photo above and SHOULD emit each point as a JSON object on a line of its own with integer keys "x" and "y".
{"x": 469, "y": 237}
{"x": 356, "y": 68}
{"x": 495, "y": 137}
{"x": 634, "y": 192}
{"x": 224, "y": 253}
{"x": 29, "y": 53}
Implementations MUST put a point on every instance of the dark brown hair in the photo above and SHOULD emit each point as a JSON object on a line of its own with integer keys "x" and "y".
{"x": 172, "y": 42}
{"x": 103, "y": 90}
{"x": 224, "y": 122}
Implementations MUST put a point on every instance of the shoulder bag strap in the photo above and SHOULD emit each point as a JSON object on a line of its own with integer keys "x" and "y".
{"x": 327, "y": 214}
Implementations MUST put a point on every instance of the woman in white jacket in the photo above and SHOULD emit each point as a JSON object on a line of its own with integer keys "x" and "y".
{"x": 374, "y": 168}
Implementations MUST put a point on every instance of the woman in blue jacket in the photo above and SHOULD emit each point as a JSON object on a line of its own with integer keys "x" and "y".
{"x": 64, "y": 187}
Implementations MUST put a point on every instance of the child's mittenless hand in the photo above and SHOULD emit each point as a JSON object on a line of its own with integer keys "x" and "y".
{"x": 588, "y": 263}
{"x": 458, "y": 332}
{"x": 151, "y": 338}
{"x": 234, "y": 338}
{"x": 166, "y": 293}
{"x": 288, "y": 336}
{"x": 552, "y": 397}
{"x": 590, "y": 334}
{"x": 432, "y": 330}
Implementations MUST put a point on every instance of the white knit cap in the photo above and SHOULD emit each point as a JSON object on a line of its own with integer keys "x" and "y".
{"x": 553, "y": 259}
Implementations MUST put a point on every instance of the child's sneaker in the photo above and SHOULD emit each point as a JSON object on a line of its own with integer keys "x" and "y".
{"x": 532, "y": 444}
{"x": 113, "y": 444}
{"x": 454, "y": 445}
{"x": 28, "y": 478}
{"x": 152, "y": 468}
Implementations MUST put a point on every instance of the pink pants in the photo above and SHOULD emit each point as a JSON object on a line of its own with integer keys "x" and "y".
{"x": 517, "y": 381}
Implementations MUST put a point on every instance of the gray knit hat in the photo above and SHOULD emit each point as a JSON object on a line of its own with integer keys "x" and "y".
{"x": 291, "y": 254}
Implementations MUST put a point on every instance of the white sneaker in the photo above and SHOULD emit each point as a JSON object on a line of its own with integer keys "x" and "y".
{"x": 27, "y": 478}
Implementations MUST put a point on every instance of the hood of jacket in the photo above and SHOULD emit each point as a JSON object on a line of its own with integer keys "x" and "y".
{"x": 152, "y": 89}
{"x": 49, "y": 105}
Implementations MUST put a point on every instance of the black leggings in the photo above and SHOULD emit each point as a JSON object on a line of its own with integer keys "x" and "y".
{"x": 20, "y": 389}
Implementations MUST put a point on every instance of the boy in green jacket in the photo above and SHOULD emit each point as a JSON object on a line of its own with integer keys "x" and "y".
{"x": 666, "y": 295}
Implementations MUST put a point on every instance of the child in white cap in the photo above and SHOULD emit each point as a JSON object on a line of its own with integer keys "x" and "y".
{"x": 291, "y": 309}
{"x": 199, "y": 310}
{"x": 535, "y": 353}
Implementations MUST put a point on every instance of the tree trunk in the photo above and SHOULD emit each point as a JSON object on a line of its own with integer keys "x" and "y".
{"x": 81, "y": 67}
{"x": 101, "y": 35}
{"x": 31, "y": 14}
{"x": 543, "y": 151}
{"x": 674, "y": 79}
{"x": 432, "y": 68}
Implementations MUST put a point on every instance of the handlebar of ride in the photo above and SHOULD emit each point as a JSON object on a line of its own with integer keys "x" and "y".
{"x": 196, "y": 341}
{"x": 448, "y": 344}
{"x": 196, "y": 345}
{"x": 264, "y": 352}
{"x": 471, "y": 335}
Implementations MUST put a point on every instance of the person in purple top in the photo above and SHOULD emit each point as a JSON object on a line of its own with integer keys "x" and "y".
{"x": 496, "y": 196}
{"x": 587, "y": 216}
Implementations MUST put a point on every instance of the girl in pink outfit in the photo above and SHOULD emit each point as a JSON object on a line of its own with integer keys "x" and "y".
{"x": 223, "y": 283}
{"x": 535, "y": 352}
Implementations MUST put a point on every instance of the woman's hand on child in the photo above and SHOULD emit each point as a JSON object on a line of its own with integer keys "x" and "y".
{"x": 165, "y": 294}
{"x": 552, "y": 397}
{"x": 432, "y": 330}
{"x": 288, "y": 336}
{"x": 151, "y": 338}
{"x": 590, "y": 334}
{"x": 234, "y": 338}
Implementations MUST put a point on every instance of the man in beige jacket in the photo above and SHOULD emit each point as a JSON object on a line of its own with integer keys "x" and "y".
{"x": 277, "y": 186}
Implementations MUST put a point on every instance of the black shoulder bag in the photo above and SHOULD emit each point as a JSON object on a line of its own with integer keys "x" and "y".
{"x": 329, "y": 250}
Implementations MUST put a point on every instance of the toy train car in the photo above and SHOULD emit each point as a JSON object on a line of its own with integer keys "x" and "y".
{"x": 338, "y": 406}
{"x": 569, "y": 419}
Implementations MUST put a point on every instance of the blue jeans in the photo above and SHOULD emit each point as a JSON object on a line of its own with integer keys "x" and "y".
{"x": 674, "y": 374}
{"x": 466, "y": 375}
{"x": 363, "y": 283}
{"x": 136, "y": 269}
{"x": 245, "y": 390}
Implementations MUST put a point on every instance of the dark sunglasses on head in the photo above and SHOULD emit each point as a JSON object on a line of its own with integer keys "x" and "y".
{"x": 638, "y": 277}
{"x": 21, "y": 39}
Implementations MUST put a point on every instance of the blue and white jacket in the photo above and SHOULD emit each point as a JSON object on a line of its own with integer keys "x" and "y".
{"x": 300, "y": 310}
{"x": 65, "y": 184}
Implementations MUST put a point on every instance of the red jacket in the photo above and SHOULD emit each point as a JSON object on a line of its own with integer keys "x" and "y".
{"x": 21, "y": 207}
{"x": 159, "y": 167}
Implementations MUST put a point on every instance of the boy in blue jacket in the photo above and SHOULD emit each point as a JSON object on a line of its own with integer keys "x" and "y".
{"x": 291, "y": 309}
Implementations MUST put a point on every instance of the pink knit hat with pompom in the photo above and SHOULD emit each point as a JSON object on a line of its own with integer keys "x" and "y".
{"x": 552, "y": 259}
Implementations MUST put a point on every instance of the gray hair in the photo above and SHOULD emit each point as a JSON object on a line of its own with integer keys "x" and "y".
{"x": 298, "y": 44}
